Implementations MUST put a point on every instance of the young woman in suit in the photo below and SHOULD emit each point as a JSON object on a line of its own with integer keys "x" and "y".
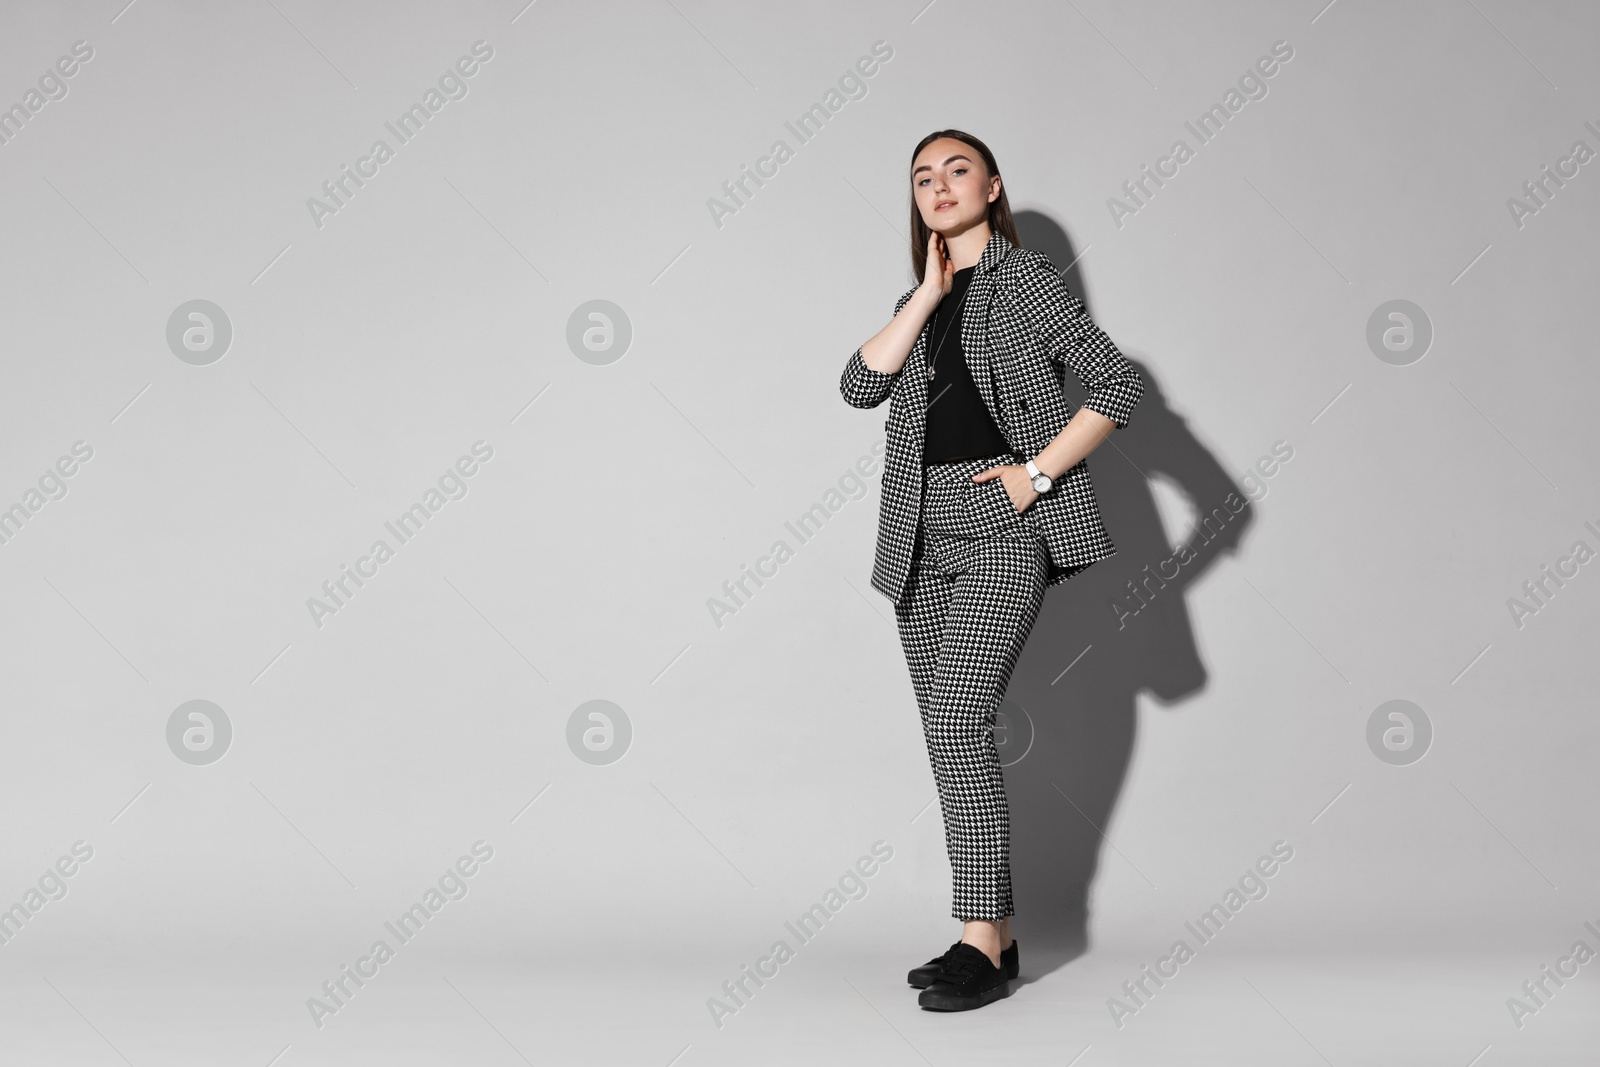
{"x": 986, "y": 501}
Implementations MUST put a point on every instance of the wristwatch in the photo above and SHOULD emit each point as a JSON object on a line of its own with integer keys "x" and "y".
{"x": 1041, "y": 480}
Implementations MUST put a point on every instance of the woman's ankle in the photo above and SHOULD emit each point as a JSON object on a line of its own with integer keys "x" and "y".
{"x": 989, "y": 936}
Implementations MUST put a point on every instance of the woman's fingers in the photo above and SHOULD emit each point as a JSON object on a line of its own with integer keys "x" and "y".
{"x": 937, "y": 262}
{"x": 999, "y": 472}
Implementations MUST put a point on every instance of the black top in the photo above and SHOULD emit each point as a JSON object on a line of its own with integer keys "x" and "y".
{"x": 959, "y": 426}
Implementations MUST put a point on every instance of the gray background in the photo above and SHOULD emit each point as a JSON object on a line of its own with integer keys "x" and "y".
{"x": 771, "y": 751}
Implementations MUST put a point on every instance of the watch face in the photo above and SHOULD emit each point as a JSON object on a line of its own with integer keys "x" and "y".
{"x": 1041, "y": 484}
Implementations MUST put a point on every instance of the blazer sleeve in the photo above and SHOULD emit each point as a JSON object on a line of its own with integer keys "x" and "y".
{"x": 1062, "y": 324}
{"x": 860, "y": 385}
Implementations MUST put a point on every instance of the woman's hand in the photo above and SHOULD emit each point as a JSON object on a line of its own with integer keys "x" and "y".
{"x": 941, "y": 271}
{"x": 1018, "y": 483}
{"x": 886, "y": 351}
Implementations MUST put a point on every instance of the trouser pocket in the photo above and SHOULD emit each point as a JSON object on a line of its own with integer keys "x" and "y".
{"x": 990, "y": 505}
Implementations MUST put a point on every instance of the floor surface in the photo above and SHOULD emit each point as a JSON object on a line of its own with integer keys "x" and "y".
{"x": 833, "y": 1008}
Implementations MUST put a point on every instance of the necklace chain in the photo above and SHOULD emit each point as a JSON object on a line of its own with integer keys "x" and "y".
{"x": 955, "y": 318}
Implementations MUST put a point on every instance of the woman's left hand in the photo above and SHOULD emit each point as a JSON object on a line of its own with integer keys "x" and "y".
{"x": 1019, "y": 486}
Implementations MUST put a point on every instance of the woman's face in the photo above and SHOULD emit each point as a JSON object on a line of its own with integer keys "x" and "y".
{"x": 951, "y": 185}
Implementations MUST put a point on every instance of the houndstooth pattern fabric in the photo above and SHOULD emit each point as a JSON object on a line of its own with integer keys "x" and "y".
{"x": 1019, "y": 328}
{"x": 971, "y": 599}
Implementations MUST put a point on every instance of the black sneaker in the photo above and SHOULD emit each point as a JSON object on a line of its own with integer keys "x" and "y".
{"x": 924, "y": 976}
{"x": 966, "y": 980}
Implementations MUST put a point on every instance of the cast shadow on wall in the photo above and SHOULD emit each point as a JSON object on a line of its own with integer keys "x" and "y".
{"x": 1086, "y": 660}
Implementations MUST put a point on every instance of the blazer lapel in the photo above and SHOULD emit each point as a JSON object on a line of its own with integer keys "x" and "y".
{"x": 974, "y": 321}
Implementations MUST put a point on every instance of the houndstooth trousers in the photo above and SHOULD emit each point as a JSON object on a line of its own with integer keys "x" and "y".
{"x": 976, "y": 585}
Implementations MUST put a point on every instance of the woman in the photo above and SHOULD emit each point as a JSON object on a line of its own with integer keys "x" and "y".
{"x": 986, "y": 501}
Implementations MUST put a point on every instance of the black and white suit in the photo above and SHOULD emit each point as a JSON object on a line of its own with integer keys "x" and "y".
{"x": 1019, "y": 325}
{"x": 966, "y": 570}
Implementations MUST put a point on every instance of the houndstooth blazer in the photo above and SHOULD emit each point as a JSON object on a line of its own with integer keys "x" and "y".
{"x": 1019, "y": 326}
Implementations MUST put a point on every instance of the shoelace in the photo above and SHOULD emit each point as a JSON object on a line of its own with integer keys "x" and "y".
{"x": 962, "y": 968}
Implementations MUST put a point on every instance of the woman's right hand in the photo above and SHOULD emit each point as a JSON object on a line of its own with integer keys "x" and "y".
{"x": 887, "y": 350}
{"x": 941, "y": 271}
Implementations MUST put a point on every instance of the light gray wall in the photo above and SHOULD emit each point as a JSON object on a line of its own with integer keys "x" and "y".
{"x": 769, "y": 751}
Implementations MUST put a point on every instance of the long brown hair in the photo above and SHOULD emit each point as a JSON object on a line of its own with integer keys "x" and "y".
{"x": 999, "y": 211}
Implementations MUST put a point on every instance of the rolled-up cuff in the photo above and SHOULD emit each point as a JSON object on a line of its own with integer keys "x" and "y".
{"x": 1116, "y": 401}
{"x": 863, "y": 387}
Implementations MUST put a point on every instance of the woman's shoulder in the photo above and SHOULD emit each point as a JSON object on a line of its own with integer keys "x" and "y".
{"x": 1025, "y": 264}
{"x": 1029, "y": 278}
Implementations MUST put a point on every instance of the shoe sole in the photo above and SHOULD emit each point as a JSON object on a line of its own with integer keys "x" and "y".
{"x": 939, "y": 1002}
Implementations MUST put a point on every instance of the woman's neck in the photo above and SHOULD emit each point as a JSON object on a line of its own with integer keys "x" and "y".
{"x": 966, "y": 248}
